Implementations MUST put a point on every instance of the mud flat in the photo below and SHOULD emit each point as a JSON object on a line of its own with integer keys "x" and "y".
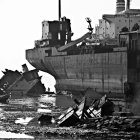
{"x": 20, "y": 116}
{"x": 30, "y": 127}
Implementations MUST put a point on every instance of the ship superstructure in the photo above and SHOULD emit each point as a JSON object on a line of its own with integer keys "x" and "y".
{"x": 112, "y": 24}
{"x": 106, "y": 64}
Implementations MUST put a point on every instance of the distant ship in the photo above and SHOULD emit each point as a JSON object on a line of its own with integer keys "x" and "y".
{"x": 107, "y": 61}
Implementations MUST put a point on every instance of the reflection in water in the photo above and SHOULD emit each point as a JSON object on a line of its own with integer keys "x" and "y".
{"x": 17, "y": 109}
{"x": 23, "y": 113}
{"x": 64, "y": 101}
{"x": 43, "y": 110}
{"x": 27, "y": 101}
{"x": 43, "y": 103}
{"x": 46, "y": 99}
{"x": 57, "y": 100}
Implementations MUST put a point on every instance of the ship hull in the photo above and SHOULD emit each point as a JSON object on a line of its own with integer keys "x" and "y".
{"x": 103, "y": 72}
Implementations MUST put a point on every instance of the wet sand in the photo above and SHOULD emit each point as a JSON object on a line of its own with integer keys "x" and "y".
{"x": 20, "y": 115}
{"x": 19, "y": 118}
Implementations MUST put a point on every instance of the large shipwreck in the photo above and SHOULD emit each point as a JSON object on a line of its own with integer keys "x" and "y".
{"x": 19, "y": 84}
{"x": 106, "y": 61}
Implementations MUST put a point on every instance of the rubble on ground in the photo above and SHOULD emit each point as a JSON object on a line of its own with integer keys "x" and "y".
{"x": 82, "y": 120}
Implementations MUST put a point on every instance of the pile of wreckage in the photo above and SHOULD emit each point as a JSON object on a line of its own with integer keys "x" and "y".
{"x": 15, "y": 83}
{"x": 81, "y": 111}
{"x": 99, "y": 115}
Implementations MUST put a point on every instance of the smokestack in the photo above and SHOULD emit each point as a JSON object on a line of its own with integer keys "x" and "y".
{"x": 120, "y": 6}
{"x": 128, "y": 5}
{"x": 59, "y": 10}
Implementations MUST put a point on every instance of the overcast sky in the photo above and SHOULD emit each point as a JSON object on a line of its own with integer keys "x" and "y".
{"x": 20, "y": 23}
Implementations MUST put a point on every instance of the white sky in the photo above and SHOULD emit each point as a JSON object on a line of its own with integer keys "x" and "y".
{"x": 20, "y": 23}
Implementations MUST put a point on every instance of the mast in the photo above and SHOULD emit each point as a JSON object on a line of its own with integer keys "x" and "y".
{"x": 128, "y": 5}
{"x": 59, "y": 8}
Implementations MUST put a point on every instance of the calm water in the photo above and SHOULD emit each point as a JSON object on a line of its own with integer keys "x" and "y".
{"x": 44, "y": 101}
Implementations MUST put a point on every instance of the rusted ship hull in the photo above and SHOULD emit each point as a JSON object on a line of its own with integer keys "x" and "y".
{"x": 107, "y": 61}
{"x": 102, "y": 72}
{"x": 19, "y": 84}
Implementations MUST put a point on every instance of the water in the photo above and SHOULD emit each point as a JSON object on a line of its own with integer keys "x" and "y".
{"x": 41, "y": 103}
{"x": 21, "y": 110}
{"x": 19, "y": 117}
